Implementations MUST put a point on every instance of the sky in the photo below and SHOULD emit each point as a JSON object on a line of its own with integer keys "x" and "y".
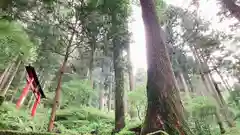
{"x": 137, "y": 47}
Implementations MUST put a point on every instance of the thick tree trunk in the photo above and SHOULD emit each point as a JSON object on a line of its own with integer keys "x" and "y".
{"x": 119, "y": 86}
{"x": 3, "y": 93}
{"x": 164, "y": 110}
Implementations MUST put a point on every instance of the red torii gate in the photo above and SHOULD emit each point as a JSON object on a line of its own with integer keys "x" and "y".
{"x": 34, "y": 85}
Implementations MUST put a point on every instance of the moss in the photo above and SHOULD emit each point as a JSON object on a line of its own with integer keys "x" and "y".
{"x": 9, "y": 132}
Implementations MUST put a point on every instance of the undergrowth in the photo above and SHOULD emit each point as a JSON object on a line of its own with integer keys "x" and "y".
{"x": 86, "y": 120}
{"x": 69, "y": 121}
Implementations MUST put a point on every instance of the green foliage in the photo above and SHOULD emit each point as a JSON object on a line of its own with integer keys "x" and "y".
{"x": 71, "y": 121}
{"x": 201, "y": 107}
{"x": 137, "y": 100}
{"x": 125, "y": 132}
{"x": 76, "y": 92}
{"x": 20, "y": 120}
{"x": 14, "y": 41}
{"x": 8, "y": 132}
{"x": 85, "y": 120}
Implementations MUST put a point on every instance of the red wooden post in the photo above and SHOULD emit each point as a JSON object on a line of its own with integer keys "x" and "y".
{"x": 37, "y": 101}
{"x": 24, "y": 93}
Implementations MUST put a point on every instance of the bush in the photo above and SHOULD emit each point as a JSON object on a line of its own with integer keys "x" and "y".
{"x": 85, "y": 120}
{"x": 12, "y": 119}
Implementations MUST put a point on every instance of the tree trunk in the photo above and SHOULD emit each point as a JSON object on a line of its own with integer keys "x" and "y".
{"x": 5, "y": 78}
{"x": 228, "y": 118}
{"x": 219, "y": 122}
{"x": 3, "y": 93}
{"x": 56, "y": 103}
{"x": 101, "y": 96}
{"x": 4, "y": 73}
{"x": 130, "y": 69}
{"x": 217, "y": 94}
{"x": 186, "y": 89}
{"x": 225, "y": 82}
{"x": 57, "y": 95}
{"x": 93, "y": 47}
{"x": 110, "y": 93}
{"x": 201, "y": 70}
{"x": 211, "y": 89}
{"x": 186, "y": 76}
{"x": 164, "y": 110}
{"x": 232, "y": 7}
{"x": 119, "y": 86}
{"x": 90, "y": 71}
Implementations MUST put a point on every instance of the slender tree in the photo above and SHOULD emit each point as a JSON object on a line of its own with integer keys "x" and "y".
{"x": 11, "y": 78}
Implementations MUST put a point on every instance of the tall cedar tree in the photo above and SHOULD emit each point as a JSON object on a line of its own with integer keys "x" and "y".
{"x": 164, "y": 110}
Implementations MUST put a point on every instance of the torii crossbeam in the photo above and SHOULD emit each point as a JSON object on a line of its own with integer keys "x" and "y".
{"x": 34, "y": 85}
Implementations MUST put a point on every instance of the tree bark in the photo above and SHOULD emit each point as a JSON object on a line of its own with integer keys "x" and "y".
{"x": 4, "y": 73}
{"x": 3, "y": 93}
{"x": 189, "y": 82}
{"x": 4, "y": 81}
{"x": 119, "y": 86}
{"x": 101, "y": 96}
{"x": 109, "y": 99}
{"x": 110, "y": 92}
{"x": 93, "y": 47}
{"x": 164, "y": 109}
{"x": 232, "y": 7}
{"x": 185, "y": 85}
{"x": 130, "y": 69}
{"x": 217, "y": 94}
{"x": 55, "y": 105}
{"x": 57, "y": 95}
{"x": 219, "y": 122}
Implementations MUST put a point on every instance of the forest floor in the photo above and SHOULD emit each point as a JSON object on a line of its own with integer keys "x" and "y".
{"x": 71, "y": 121}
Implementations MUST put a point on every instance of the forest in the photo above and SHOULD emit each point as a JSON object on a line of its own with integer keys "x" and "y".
{"x": 66, "y": 68}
